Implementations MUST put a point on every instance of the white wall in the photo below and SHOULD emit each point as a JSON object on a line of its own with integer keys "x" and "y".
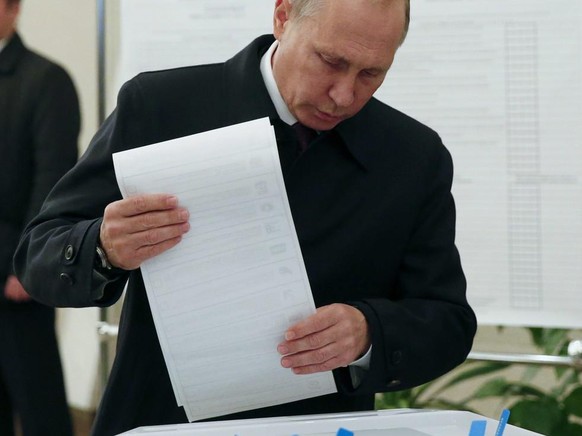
{"x": 66, "y": 31}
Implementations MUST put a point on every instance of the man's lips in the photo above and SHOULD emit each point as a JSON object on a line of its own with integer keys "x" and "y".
{"x": 327, "y": 117}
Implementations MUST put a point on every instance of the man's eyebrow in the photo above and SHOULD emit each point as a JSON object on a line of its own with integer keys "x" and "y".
{"x": 344, "y": 61}
{"x": 333, "y": 56}
{"x": 327, "y": 53}
{"x": 376, "y": 70}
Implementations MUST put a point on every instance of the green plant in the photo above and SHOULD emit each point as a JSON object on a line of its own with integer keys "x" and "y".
{"x": 552, "y": 412}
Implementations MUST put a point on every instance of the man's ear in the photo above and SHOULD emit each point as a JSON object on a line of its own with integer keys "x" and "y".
{"x": 281, "y": 16}
{"x": 14, "y": 10}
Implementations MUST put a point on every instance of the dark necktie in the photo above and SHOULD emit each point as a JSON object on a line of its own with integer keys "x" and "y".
{"x": 305, "y": 135}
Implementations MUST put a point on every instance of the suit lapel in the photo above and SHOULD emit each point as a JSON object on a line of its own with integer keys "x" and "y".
{"x": 245, "y": 89}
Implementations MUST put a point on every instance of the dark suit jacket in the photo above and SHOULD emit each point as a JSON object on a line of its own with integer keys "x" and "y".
{"x": 373, "y": 211}
{"x": 39, "y": 127}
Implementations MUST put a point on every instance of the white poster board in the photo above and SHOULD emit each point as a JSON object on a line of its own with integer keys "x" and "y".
{"x": 500, "y": 81}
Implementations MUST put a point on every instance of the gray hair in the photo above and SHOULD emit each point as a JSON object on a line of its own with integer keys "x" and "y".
{"x": 308, "y": 8}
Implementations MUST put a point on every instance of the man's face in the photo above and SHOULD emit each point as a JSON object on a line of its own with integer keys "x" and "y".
{"x": 8, "y": 14}
{"x": 329, "y": 65}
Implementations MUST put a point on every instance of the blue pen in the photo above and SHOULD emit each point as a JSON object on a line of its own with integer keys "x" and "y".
{"x": 502, "y": 422}
{"x": 344, "y": 432}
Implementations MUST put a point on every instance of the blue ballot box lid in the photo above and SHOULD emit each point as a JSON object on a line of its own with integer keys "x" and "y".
{"x": 398, "y": 422}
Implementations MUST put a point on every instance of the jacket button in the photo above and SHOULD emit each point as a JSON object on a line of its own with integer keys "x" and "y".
{"x": 69, "y": 251}
{"x": 396, "y": 357}
{"x": 66, "y": 278}
{"x": 392, "y": 383}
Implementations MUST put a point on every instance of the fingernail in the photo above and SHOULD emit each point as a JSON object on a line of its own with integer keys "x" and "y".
{"x": 290, "y": 336}
{"x": 282, "y": 349}
{"x": 172, "y": 201}
{"x": 184, "y": 215}
{"x": 286, "y": 363}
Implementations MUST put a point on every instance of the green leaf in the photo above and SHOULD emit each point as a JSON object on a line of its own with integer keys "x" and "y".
{"x": 530, "y": 373}
{"x": 566, "y": 429}
{"x": 563, "y": 351}
{"x": 528, "y": 390}
{"x": 553, "y": 340}
{"x": 537, "y": 336}
{"x": 559, "y": 371}
{"x": 393, "y": 400}
{"x": 548, "y": 340}
{"x": 566, "y": 384}
{"x": 538, "y": 416}
{"x": 496, "y": 387}
{"x": 502, "y": 387}
{"x": 475, "y": 371}
{"x": 499, "y": 387}
{"x": 419, "y": 390}
{"x": 573, "y": 402}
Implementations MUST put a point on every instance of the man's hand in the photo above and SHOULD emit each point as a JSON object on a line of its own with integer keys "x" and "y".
{"x": 138, "y": 228}
{"x": 334, "y": 336}
{"x": 14, "y": 291}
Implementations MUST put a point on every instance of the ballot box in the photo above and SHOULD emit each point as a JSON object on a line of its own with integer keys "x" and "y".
{"x": 399, "y": 422}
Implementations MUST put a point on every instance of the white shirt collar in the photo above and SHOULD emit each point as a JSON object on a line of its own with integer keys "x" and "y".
{"x": 271, "y": 84}
{"x": 3, "y": 43}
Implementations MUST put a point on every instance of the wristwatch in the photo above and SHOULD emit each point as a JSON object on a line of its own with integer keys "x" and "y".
{"x": 101, "y": 261}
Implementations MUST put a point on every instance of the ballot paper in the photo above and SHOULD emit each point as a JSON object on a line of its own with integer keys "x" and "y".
{"x": 222, "y": 299}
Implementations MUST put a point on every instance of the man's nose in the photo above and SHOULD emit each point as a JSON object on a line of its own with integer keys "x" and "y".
{"x": 342, "y": 91}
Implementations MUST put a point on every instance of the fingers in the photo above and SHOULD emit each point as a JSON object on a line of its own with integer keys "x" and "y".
{"x": 335, "y": 336}
{"x": 14, "y": 291}
{"x": 142, "y": 204}
{"x": 324, "y": 318}
{"x": 138, "y": 228}
{"x": 323, "y": 359}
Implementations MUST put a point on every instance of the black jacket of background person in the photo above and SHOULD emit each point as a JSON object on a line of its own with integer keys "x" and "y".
{"x": 39, "y": 128}
{"x": 373, "y": 211}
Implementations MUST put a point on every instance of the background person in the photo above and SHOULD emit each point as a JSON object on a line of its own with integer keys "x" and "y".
{"x": 39, "y": 127}
{"x": 370, "y": 198}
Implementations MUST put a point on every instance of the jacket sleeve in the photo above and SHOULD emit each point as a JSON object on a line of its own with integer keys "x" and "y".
{"x": 56, "y": 254}
{"x": 427, "y": 328}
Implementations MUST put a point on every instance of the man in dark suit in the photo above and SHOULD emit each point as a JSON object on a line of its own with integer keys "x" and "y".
{"x": 370, "y": 198}
{"x": 39, "y": 126}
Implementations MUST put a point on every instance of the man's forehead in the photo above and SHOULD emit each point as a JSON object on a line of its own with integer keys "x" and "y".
{"x": 355, "y": 35}
{"x": 380, "y": 16}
